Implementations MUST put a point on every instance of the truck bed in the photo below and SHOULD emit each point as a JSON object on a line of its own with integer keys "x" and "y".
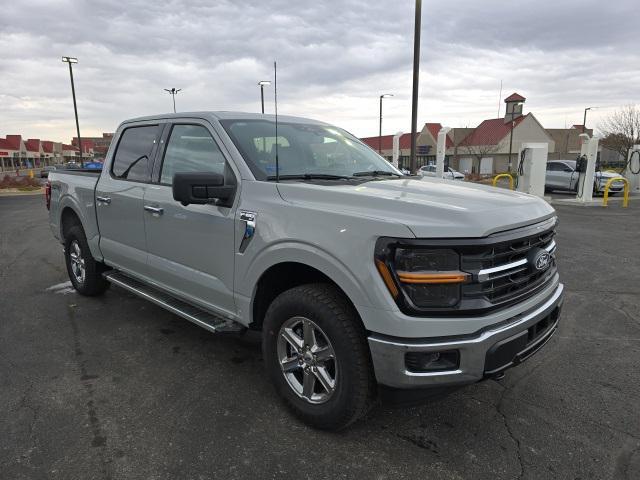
{"x": 76, "y": 189}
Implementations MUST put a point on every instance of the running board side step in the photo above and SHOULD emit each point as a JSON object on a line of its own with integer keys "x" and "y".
{"x": 209, "y": 321}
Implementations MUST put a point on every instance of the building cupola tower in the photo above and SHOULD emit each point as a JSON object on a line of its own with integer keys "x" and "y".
{"x": 514, "y": 103}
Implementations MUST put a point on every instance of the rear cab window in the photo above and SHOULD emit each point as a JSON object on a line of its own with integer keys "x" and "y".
{"x": 133, "y": 157}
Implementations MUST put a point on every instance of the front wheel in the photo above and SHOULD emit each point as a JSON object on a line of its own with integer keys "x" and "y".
{"x": 315, "y": 351}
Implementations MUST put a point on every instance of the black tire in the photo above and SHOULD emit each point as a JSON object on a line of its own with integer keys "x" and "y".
{"x": 91, "y": 283}
{"x": 355, "y": 384}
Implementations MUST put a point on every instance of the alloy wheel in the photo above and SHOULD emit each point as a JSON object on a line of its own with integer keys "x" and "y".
{"x": 77, "y": 262}
{"x": 307, "y": 360}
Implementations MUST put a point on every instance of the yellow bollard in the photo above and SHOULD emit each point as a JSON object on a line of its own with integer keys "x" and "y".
{"x": 31, "y": 173}
{"x": 502, "y": 175}
{"x": 625, "y": 200}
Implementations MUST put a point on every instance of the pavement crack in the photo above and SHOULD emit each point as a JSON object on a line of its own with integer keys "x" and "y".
{"x": 624, "y": 459}
{"x": 99, "y": 439}
{"x": 515, "y": 439}
{"x": 420, "y": 441}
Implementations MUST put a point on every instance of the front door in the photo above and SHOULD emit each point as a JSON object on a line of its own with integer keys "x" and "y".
{"x": 559, "y": 176}
{"x": 119, "y": 195}
{"x": 191, "y": 248}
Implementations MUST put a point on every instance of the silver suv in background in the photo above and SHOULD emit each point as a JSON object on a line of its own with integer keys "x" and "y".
{"x": 562, "y": 175}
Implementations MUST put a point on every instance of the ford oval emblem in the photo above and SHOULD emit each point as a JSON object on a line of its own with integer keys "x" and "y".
{"x": 542, "y": 260}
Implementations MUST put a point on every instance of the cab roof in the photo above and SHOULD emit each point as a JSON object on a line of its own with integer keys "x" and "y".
{"x": 225, "y": 115}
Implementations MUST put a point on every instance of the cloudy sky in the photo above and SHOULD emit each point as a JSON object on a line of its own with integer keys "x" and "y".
{"x": 334, "y": 59}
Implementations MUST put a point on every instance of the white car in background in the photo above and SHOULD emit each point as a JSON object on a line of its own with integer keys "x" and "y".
{"x": 449, "y": 173}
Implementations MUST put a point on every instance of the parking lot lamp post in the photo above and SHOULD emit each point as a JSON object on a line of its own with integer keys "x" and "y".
{"x": 262, "y": 83}
{"x": 584, "y": 120}
{"x": 414, "y": 93}
{"x": 384, "y": 95}
{"x": 173, "y": 91}
{"x": 71, "y": 60}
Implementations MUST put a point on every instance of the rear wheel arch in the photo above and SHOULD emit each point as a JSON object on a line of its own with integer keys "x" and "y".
{"x": 68, "y": 219}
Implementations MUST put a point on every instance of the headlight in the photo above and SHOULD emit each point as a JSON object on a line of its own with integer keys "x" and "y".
{"x": 426, "y": 277}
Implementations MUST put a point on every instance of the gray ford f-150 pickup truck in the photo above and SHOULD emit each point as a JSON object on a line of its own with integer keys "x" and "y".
{"x": 362, "y": 280}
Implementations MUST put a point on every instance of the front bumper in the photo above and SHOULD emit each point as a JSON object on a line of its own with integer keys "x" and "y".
{"x": 486, "y": 353}
{"x": 615, "y": 187}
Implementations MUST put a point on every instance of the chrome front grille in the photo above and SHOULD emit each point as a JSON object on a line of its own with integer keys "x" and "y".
{"x": 503, "y": 274}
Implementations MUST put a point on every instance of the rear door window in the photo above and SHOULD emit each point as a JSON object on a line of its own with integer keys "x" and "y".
{"x": 132, "y": 159}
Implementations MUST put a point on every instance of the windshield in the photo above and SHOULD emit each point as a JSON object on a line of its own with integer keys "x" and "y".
{"x": 304, "y": 150}
{"x": 571, "y": 163}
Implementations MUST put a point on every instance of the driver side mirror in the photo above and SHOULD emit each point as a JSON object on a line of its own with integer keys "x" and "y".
{"x": 202, "y": 188}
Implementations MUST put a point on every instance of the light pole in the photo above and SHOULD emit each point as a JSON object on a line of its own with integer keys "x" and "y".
{"x": 262, "y": 83}
{"x": 71, "y": 60}
{"x": 584, "y": 120}
{"x": 414, "y": 94}
{"x": 174, "y": 91}
{"x": 384, "y": 95}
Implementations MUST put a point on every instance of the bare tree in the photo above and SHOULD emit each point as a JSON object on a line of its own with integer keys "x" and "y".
{"x": 621, "y": 129}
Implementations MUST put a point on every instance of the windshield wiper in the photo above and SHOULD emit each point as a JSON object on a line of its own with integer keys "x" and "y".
{"x": 310, "y": 176}
{"x": 376, "y": 173}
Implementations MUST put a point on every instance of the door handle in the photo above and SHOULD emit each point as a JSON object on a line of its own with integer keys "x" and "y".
{"x": 106, "y": 200}
{"x": 154, "y": 210}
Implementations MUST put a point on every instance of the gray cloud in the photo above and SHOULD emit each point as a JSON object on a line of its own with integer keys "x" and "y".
{"x": 334, "y": 57}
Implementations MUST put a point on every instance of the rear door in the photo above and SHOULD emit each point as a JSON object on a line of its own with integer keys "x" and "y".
{"x": 191, "y": 248}
{"x": 119, "y": 194}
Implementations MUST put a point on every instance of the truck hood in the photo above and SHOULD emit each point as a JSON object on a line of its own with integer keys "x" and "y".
{"x": 429, "y": 207}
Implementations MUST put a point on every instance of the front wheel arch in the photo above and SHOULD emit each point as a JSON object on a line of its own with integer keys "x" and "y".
{"x": 284, "y": 276}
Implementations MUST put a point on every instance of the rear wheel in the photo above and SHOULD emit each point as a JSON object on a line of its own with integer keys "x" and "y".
{"x": 316, "y": 353}
{"x": 84, "y": 271}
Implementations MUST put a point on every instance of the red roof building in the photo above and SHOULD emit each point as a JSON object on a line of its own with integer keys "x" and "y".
{"x": 15, "y": 141}
{"x": 33, "y": 145}
{"x": 434, "y": 129}
{"x": 47, "y": 146}
{"x": 386, "y": 141}
{"x": 5, "y": 144}
{"x": 515, "y": 97}
{"x": 491, "y": 132}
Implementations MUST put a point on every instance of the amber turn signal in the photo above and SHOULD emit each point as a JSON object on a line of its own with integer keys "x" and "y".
{"x": 433, "y": 278}
{"x": 387, "y": 278}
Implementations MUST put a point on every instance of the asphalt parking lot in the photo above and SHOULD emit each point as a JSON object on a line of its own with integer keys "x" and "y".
{"x": 117, "y": 388}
